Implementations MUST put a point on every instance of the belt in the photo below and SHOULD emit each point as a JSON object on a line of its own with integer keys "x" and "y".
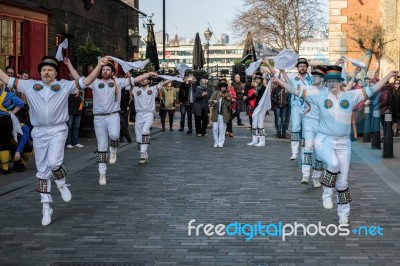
{"x": 105, "y": 114}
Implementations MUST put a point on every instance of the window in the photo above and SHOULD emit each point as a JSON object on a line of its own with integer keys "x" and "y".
{"x": 9, "y": 31}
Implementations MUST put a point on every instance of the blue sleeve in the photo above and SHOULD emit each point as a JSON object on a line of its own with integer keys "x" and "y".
{"x": 23, "y": 139}
{"x": 11, "y": 101}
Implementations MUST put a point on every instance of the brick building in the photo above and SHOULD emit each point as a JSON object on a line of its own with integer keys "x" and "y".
{"x": 340, "y": 43}
{"x": 31, "y": 29}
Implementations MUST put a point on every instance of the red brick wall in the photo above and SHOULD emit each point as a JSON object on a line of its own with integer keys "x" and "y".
{"x": 363, "y": 7}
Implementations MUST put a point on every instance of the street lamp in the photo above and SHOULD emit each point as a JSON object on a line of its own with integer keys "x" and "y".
{"x": 135, "y": 40}
{"x": 207, "y": 35}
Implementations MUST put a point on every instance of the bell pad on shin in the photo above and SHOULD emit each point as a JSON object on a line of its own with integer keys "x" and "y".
{"x": 329, "y": 179}
{"x": 307, "y": 158}
{"x": 102, "y": 157}
{"x": 261, "y": 132}
{"x": 145, "y": 139}
{"x": 43, "y": 185}
{"x": 295, "y": 136}
{"x": 60, "y": 173}
{"x": 344, "y": 196}
{"x": 114, "y": 143}
{"x": 319, "y": 165}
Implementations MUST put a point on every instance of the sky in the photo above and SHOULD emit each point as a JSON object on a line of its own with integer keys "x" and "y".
{"x": 190, "y": 16}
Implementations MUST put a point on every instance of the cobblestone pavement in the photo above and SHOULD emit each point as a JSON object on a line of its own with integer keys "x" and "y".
{"x": 141, "y": 216}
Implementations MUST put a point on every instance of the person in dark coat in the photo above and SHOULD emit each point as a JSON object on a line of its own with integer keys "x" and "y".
{"x": 395, "y": 102}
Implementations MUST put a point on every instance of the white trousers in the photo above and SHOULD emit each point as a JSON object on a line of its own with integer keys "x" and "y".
{"x": 48, "y": 144}
{"x": 310, "y": 129}
{"x": 336, "y": 153}
{"x": 219, "y": 129}
{"x": 143, "y": 122}
{"x": 296, "y": 116}
{"x": 106, "y": 127}
{"x": 258, "y": 119}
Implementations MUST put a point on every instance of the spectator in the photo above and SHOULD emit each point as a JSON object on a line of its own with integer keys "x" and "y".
{"x": 75, "y": 106}
{"x": 124, "y": 111}
{"x": 200, "y": 110}
{"x": 22, "y": 150}
{"x": 396, "y": 107}
{"x": 167, "y": 99}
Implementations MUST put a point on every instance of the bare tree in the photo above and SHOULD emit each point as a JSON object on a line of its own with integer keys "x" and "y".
{"x": 369, "y": 37}
{"x": 284, "y": 24}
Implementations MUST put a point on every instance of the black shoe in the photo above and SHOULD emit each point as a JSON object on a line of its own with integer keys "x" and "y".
{"x": 241, "y": 124}
{"x": 171, "y": 129}
{"x": 189, "y": 132}
{"x": 121, "y": 141}
{"x": 180, "y": 130}
{"x": 21, "y": 168}
{"x": 129, "y": 140}
{"x": 6, "y": 172}
{"x": 163, "y": 129}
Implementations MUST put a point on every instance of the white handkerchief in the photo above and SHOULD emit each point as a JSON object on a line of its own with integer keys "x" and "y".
{"x": 170, "y": 78}
{"x": 181, "y": 69}
{"x": 354, "y": 62}
{"x": 126, "y": 66}
{"x": 16, "y": 127}
{"x": 286, "y": 59}
{"x": 253, "y": 67}
{"x": 63, "y": 45}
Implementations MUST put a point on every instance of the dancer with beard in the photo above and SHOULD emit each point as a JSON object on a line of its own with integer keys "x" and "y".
{"x": 106, "y": 105}
{"x": 332, "y": 143}
{"x": 145, "y": 97}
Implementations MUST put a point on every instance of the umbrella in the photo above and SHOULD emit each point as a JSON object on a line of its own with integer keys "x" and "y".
{"x": 249, "y": 47}
{"x": 198, "y": 53}
{"x": 151, "y": 47}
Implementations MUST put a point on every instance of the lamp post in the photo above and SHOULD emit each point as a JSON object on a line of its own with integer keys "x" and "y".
{"x": 135, "y": 41}
{"x": 207, "y": 35}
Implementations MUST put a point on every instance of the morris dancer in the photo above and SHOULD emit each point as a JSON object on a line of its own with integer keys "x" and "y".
{"x": 48, "y": 111}
{"x": 145, "y": 97}
{"x": 332, "y": 143}
{"x": 257, "y": 123}
{"x": 106, "y": 105}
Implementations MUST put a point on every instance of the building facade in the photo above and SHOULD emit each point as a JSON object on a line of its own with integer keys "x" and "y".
{"x": 341, "y": 13}
{"x": 34, "y": 28}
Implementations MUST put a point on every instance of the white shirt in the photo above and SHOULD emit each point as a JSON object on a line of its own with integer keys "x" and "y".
{"x": 145, "y": 98}
{"x": 48, "y": 105}
{"x": 335, "y": 111}
{"x": 311, "y": 110}
{"x": 298, "y": 81}
{"x": 105, "y": 98}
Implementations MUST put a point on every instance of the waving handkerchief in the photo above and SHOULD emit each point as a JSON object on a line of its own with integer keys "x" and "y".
{"x": 181, "y": 69}
{"x": 63, "y": 45}
{"x": 126, "y": 66}
{"x": 170, "y": 78}
{"x": 286, "y": 59}
{"x": 354, "y": 62}
{"x": 253, "y": 67}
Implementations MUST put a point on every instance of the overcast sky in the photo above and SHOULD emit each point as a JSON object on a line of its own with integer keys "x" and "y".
{"x": 190, "y": 16}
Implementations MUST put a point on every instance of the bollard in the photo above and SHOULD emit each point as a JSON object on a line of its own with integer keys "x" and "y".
{"x": 387, "y": 151}
{"x": 376, "y": 130}
{"x": 367, "y": 124}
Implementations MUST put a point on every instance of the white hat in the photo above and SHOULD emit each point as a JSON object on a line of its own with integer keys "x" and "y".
{"x": 286, "y": 59}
